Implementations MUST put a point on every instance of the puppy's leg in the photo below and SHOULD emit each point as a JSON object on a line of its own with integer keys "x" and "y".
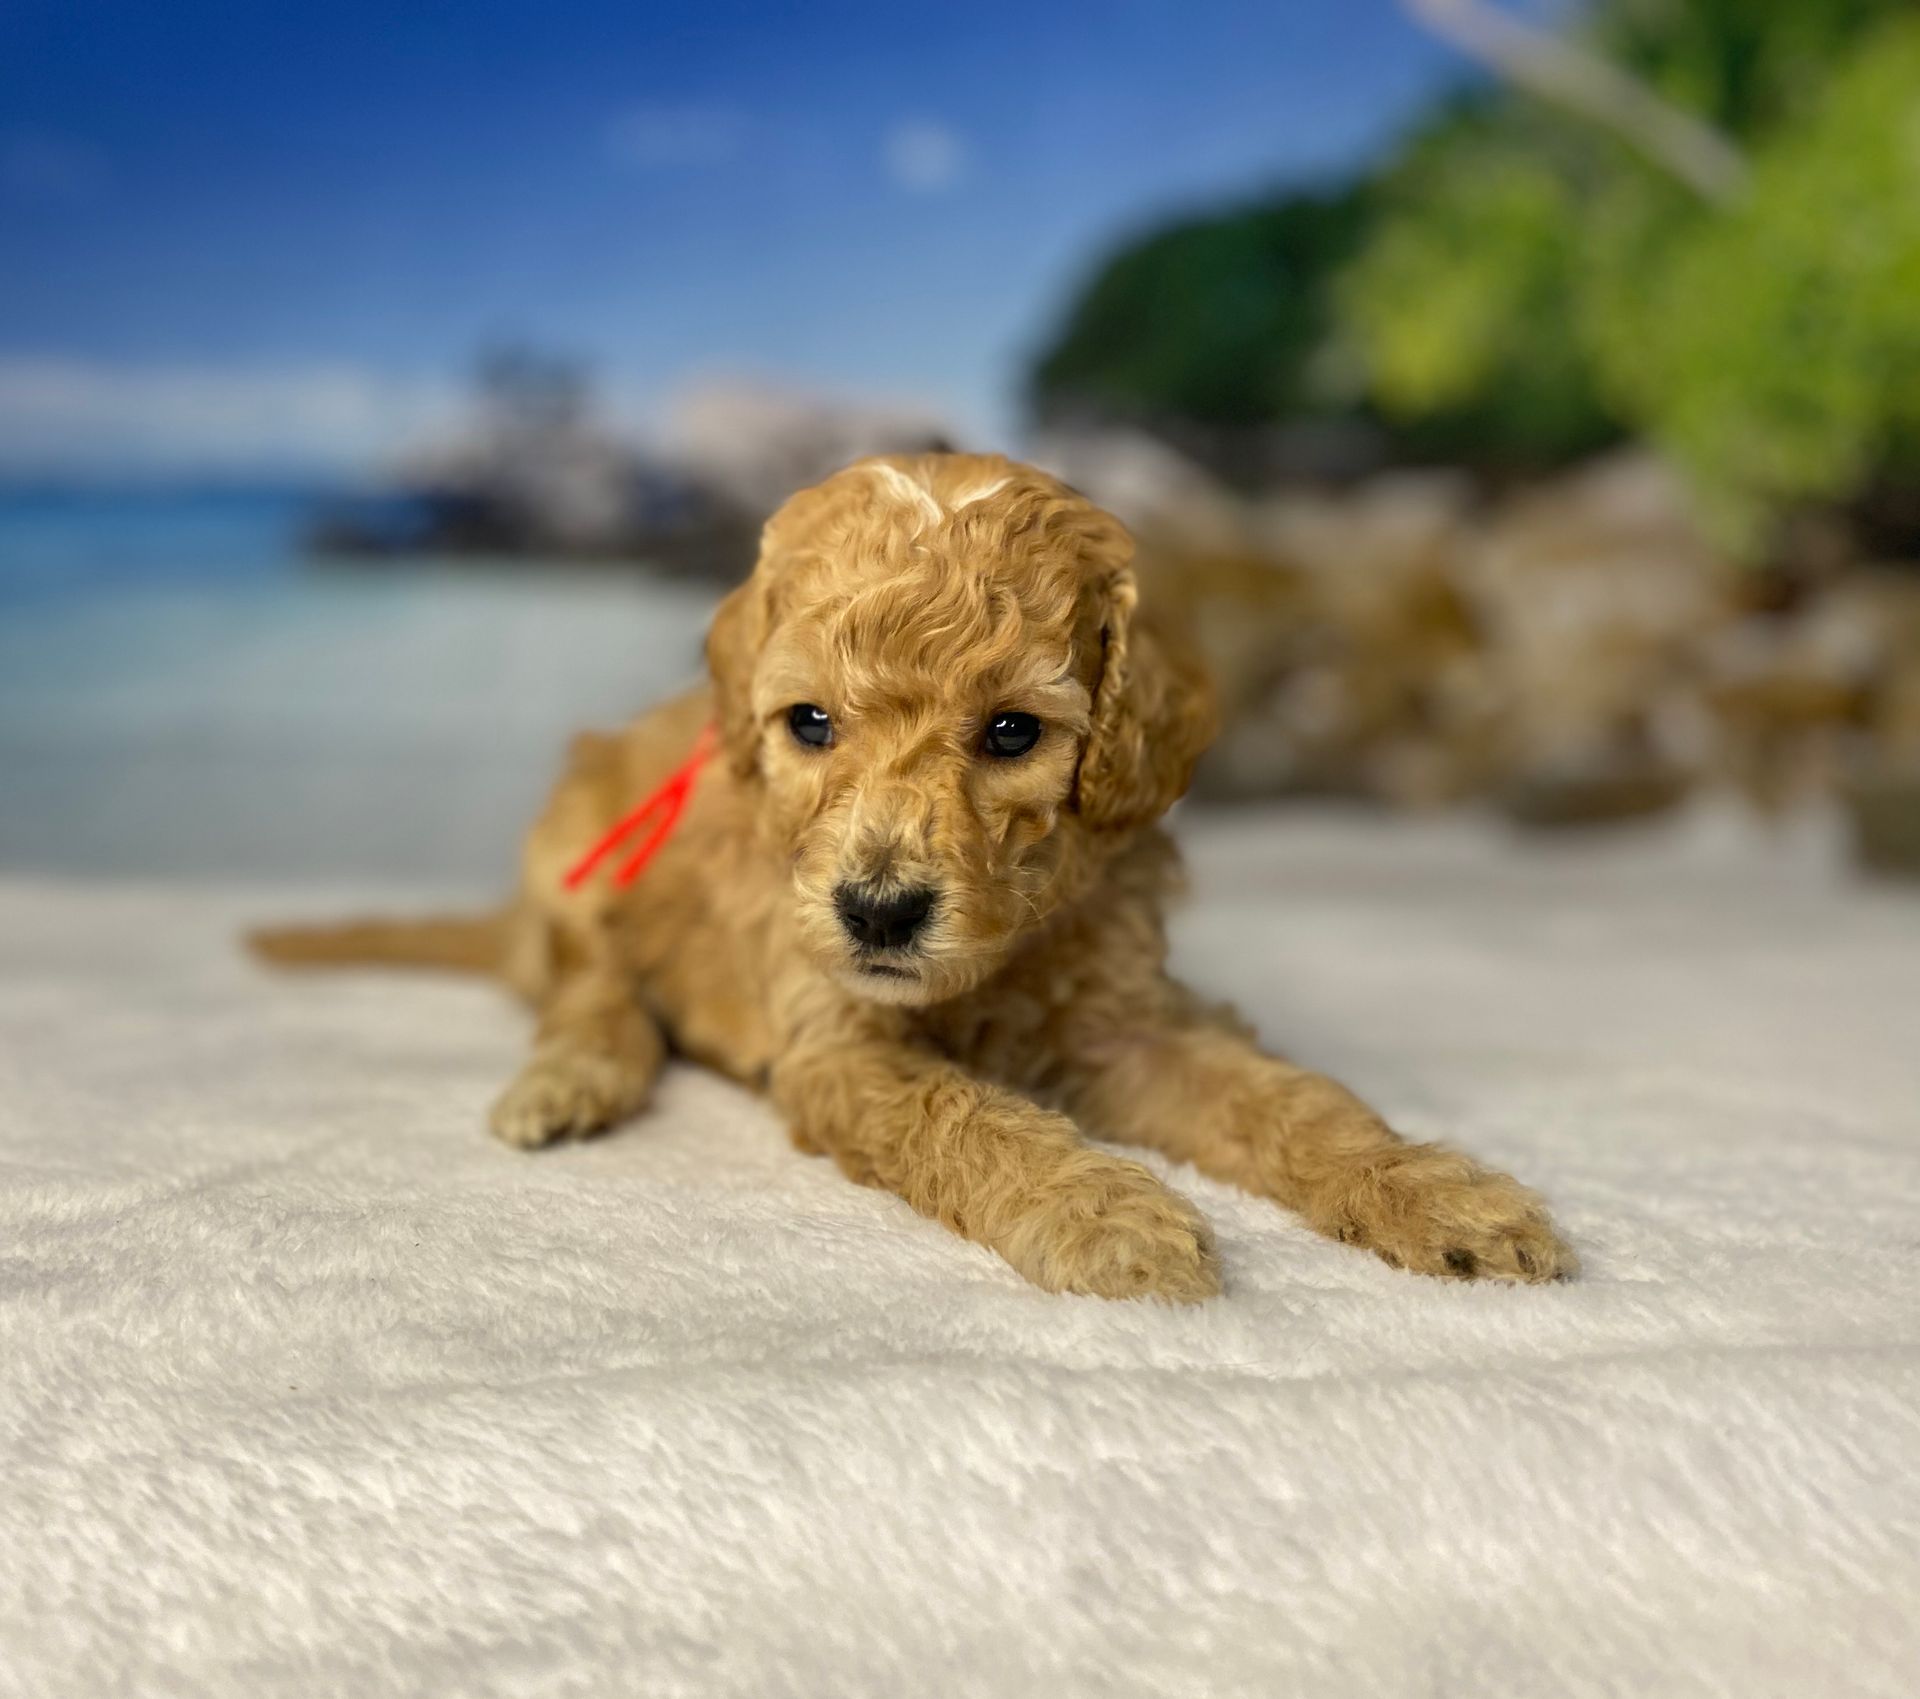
{"x": 596, "y": 1055}
{"x": 1192, "y": 1085}
{"x": 996, "y": 1169}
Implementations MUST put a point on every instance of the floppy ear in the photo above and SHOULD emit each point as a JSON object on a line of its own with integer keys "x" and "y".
{"x": 1153, "y": 715}
{"x": 733, "y": 650}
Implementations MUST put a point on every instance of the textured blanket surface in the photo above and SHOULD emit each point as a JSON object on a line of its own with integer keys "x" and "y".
{"x": 307, "y": 1387}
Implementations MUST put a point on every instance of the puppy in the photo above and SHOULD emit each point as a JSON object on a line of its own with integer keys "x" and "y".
{"x": 916, "y": 896}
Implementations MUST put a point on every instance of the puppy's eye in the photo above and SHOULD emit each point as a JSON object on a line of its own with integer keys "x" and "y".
{"x": 810, "y": 725}
{"x": 1011, "y": 734}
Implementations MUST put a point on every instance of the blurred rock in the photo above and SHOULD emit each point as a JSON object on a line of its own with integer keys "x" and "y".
{"x": 1151, "y": 487}
{"x": 1572, "y": 653}
{"x": 536, "y": 472}
{"x": 1884, "y": 809}
{"x": 1785, "y": 690}
{"x": 755, "y": 446}
{"x": 1881, "y": 784}
{"x": 1594, "y": 792}
{"x": 1594, "y": 593}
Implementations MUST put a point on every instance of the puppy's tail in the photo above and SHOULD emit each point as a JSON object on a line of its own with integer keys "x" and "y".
{"x": 457, "y": 943}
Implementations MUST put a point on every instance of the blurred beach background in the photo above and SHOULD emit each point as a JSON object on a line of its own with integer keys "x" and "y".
{"x": 1519, "y": 402}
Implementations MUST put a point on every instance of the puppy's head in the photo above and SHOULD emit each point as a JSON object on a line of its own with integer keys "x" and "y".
{"x": 936, "y": 682}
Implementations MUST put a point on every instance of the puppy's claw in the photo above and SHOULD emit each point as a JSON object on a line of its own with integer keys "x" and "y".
{"x": 1434, "y": 1211}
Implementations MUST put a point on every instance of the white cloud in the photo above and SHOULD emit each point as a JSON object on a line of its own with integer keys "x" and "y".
{"x": 668, "y": 138}
{"x": 923, "y": 156}
{"x": 79, "y": 417}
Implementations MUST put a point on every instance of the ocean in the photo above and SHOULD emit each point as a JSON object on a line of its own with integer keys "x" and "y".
{"x": 58, "y": 543}
{"x": 184, "y": 694}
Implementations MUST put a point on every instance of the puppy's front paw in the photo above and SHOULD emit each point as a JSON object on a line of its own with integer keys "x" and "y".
{"x": 1436, "y": 1212}
{"x": 1107, "y": 1228}
{"x": 560, "y": 1097}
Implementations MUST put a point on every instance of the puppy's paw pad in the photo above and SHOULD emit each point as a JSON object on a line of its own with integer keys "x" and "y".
{"x": 553, "y": 1099}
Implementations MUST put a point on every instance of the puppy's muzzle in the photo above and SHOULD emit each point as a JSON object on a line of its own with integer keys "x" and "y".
{"x": 875, "y": 922}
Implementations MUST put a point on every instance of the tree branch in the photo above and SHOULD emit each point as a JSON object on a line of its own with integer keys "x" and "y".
{"x": 1557, "y": 69}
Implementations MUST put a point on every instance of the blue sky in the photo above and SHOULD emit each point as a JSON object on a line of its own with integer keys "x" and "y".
{"x": 282, "y": 227}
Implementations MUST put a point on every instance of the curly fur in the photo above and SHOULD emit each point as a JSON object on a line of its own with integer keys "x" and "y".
{"x": 913, "y": 599}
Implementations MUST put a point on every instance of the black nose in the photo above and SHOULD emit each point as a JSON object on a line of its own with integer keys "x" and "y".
{"x": 882, "y": 923}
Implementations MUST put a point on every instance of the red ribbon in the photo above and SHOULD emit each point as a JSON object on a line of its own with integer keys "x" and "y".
{"x": 669, "y": 802}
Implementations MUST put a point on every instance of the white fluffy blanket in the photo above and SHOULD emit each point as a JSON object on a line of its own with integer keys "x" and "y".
{"x": 307, "y": 1387}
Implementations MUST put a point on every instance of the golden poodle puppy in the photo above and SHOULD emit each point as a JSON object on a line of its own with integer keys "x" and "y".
{"x": 916, "y": 896}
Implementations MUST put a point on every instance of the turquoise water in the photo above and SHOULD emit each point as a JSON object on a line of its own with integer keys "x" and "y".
{"x": 181, "y": 693}
{"x": 57, "y": 543}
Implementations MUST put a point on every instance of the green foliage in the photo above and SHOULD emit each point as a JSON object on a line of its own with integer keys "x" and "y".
{"x": 1775, "y": 351}
{"x": 1218, "y": 320}
{"x": 1458, "y": 302}
{"x": 1517, "y": 284}
{"x": 1530, "y": 276}
{"x": 1748, "y": 66}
